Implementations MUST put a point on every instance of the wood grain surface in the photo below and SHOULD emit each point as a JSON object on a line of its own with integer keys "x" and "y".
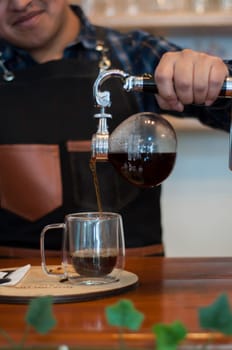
{"x": 169, "y": 289}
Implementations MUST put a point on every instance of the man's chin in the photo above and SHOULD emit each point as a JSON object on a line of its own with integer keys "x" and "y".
{"x": 28, "y": 42}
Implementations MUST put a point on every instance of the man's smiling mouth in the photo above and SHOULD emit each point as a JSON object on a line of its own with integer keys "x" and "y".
{"x": 23, "y": 19}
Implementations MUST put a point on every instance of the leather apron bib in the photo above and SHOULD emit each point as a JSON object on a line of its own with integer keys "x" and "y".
{"x": 46, "y": 127}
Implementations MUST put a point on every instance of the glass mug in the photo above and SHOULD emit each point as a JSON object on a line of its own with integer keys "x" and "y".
{"x": 93, "y": 247}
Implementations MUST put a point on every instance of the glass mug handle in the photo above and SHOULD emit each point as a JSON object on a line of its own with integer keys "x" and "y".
{"x": 42, "y": 249}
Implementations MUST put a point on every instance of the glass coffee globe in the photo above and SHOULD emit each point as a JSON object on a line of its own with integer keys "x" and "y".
{"x": 143, "y": 149}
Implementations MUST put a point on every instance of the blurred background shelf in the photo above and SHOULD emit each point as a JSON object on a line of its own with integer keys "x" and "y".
{"x": 159, "y": 14}
{"x": 167, "y": 20}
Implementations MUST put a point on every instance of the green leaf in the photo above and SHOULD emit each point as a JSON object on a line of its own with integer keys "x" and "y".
{"x": 169, "y": 336}
{"x": 124, "y": 314}
{"x": 217, "y": 316}
{"x": 39, "y": 314}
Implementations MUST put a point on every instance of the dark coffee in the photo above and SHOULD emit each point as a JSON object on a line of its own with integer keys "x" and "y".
{"x": 87, "y": 263}
{"x": 147, "y": 170}
{"x": 92, "y": 165}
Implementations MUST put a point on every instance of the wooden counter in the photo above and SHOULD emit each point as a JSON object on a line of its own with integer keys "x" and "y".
{"x": 169, "y": 289}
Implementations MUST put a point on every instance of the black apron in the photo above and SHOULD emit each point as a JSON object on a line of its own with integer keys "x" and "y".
{"x": 46, "y": 127}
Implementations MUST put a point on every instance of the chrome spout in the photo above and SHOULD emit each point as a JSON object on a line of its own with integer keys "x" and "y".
{"x": 100, "y": 140}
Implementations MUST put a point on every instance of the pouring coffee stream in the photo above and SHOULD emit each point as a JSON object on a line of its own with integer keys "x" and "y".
{"x": 143, "y": 147}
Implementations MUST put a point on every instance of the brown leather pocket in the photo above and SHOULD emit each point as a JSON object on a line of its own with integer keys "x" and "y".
{"x": 79, "y": 146}
{"x": 30, "y": 179}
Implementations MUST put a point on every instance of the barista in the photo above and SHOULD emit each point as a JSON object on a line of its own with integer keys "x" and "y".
{"x": 50, "y": 58}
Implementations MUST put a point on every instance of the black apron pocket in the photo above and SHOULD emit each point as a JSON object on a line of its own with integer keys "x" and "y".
{"x": 30, "y": 179}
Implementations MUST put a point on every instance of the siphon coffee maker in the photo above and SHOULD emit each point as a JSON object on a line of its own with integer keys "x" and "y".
{"x": 143, "y": 147}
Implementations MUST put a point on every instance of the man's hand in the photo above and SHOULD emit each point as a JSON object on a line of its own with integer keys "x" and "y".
{"x": 187, "y": 77}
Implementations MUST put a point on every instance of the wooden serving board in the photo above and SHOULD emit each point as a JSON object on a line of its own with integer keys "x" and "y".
{"x": 36, "y": 283}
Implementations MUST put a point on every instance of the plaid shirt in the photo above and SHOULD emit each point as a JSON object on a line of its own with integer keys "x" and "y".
{"x": 137, "y": 51}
